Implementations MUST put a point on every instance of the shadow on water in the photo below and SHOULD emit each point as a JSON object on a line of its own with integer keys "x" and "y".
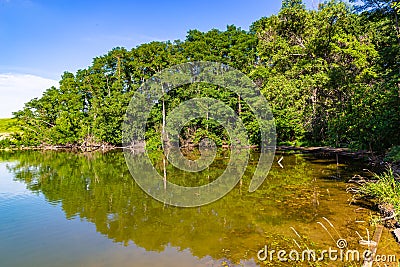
{"x": 98, "y": 188}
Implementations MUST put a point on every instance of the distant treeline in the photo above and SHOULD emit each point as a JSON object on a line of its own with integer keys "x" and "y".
{"x": 331, "y": 76}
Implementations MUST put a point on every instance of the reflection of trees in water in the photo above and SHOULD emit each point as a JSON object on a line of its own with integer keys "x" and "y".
{"x": 98, "y": 187}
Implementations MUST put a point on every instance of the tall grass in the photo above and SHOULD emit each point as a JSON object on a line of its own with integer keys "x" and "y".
{"x": 384, "y": 188}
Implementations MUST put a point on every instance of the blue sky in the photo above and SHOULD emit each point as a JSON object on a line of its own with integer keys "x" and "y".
{"x": 40, "y": 39}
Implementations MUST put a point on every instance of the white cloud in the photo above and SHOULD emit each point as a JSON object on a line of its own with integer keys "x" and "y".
{"x": 17, "y": 89}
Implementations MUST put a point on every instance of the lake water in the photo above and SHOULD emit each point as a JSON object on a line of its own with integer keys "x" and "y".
{"x": 66, "y": 209}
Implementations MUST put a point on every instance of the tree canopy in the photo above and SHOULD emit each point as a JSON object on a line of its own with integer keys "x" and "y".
{"x": 331, "y": 76}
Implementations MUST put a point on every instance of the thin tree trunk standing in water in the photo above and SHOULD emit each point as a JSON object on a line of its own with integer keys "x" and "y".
{"x": 207, "y": 117}
{"x": 165, "y": 172}
{"x": 164, "y": 139}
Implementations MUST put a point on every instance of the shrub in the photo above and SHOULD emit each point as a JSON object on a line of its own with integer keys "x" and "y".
{"x": 393, "y": 154}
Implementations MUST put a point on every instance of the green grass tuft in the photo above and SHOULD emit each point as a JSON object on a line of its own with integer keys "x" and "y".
{"x": 385, "y": 189}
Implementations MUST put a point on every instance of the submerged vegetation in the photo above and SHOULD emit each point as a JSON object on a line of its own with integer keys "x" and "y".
{"x": 331, "y": 76}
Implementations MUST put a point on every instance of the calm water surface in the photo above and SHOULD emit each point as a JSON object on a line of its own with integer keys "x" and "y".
{"x": 65, "y": 209}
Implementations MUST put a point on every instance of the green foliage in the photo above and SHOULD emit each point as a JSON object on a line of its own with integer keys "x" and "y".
{"x": 393, "y": 154}
{"x": 330, "y": 75}
{"x": 385, "y": 189}
{"x": 5, "y": 143}
{"x": 8, "y": 126}
{"x": 292, "y": 3}
{"x": 321, "y": 72}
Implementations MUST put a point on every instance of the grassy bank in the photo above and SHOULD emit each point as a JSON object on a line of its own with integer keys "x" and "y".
{"x": 6, "y": 126}
{"x": 385, "y": 190}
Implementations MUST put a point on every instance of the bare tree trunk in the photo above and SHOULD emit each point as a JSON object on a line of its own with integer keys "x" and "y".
{"x": 163, "y": 137}
{"x": 314, "y": 109}
{"x": 108, "y": 87}
{"x": 163, "y": 118}
{"x": 165, "y": 172}
{"x": 207, "y": 117}
{"x": 240, "y": 105}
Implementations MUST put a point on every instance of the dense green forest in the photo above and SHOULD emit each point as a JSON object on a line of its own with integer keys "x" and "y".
{"x": 331, "y": 76}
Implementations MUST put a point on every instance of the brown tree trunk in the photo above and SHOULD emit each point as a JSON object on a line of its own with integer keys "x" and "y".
{"x": 240, "y": 106}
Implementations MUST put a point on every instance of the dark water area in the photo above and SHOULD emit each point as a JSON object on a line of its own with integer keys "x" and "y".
{"x": 66, "y": 209}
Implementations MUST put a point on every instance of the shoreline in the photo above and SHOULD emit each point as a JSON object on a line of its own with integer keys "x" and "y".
{"x": 326, "y": 149}
{"x": 312, "y": 150}
{"x": 370, "y": 157}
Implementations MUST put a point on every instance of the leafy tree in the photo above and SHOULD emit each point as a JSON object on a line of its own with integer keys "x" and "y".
{"x": 292, "y": 3}
{"x": 331, "y": 76}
